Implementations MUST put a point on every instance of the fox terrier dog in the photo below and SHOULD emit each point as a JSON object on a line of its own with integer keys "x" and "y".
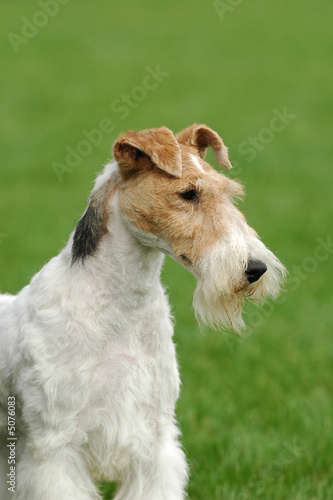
{"x": 88, "y": 370}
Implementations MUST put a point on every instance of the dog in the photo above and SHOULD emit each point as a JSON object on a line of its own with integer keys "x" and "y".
{"x": 88, "y": 369}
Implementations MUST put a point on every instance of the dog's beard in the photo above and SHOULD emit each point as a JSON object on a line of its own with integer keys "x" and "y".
{"x": 222, "y": 285}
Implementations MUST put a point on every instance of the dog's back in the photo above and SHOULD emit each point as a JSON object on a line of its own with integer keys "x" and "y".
{"x": 5, "y": 300}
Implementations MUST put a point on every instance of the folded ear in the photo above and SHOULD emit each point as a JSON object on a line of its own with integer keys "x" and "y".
{"x": 135, "y": 151}
{"x": 201, "y": 137}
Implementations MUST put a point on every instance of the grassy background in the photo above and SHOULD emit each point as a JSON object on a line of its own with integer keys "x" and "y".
{"x": 256, "y": 414}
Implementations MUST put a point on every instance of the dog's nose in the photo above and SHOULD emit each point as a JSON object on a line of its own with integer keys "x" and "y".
{"x": 255, "y": 269}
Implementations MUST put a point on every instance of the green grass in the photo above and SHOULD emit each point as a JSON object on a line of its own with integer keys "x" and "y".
{"x": 256, "y": 414}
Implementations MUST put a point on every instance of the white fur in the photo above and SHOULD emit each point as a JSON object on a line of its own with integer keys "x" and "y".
{"x": 87, "y": 351}
{"x": 221, "y": 271}
{"x": 196, "y": 163}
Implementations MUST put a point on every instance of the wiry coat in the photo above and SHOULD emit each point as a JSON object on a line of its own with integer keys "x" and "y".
{"x": 86, "y": 348}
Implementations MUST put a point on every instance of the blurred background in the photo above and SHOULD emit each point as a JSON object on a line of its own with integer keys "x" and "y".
{"x": 256, "y": 412}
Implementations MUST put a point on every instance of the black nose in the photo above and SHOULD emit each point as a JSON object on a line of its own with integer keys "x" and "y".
{"x": 255, "y": 269}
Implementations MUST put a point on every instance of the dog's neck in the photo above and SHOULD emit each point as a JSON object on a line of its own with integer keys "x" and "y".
{"x": 122, "y": 266}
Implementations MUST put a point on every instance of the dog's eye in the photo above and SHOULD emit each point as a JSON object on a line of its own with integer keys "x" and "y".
{"x": 190, "y": 195}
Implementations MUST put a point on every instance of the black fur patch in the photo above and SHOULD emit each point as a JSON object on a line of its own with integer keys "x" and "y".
{"x": 185, "y": 258}
{"x": 88, "y": 233}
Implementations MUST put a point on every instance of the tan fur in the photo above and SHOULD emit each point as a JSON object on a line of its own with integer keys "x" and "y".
{"x": 151, "y": 201}
{"x": 201, "y": 137}
{"x": 157, "y": 145}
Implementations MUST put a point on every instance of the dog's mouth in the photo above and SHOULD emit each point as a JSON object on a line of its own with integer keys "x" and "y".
{"x": 251, "y": 291}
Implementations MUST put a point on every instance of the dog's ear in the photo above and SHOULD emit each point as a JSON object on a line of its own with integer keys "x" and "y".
{"x": 135, "y": 151}
{"x": 201, "y": 137}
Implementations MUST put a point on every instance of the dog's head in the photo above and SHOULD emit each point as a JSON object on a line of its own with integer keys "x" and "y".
{"x": 170, "y": 199}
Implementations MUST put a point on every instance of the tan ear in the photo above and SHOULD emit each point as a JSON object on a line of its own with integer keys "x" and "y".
{"x": 136, "y": 151}
{"x": 201, "y": 137}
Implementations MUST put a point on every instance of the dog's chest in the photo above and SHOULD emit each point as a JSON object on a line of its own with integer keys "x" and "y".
{"x": 134, "y": 388}
{"x": 140, "y": 367}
